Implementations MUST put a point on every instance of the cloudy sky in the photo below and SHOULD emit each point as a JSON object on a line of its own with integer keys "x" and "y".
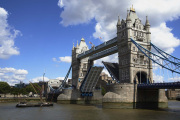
{"x": 37, "y": 36}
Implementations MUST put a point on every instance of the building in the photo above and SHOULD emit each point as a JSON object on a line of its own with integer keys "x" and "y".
{"x": 20, "y": 85}
{"x": 104, "y": 81}
{"x": 54, "y": 83}
{"x": 79, "y": 67}
{"x": 172, "y": 93}
{"x": 133, "y": 64}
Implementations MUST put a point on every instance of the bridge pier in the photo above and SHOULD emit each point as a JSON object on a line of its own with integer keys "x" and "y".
{"x": 73, "y": 96}
{"x": 151, "y": 98}
{"x": 126, "y": 95}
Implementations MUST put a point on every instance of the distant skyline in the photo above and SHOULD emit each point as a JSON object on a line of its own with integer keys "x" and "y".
{"x": 37, "y": 36}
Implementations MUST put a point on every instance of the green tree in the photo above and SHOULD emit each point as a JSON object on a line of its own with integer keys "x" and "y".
{"x": 15, "y": 91}
{"x": 103, "y": 91}
{"x": 30, "y": 88}
{"x": 4, "y": 88}
{"x": 23, "y": 91}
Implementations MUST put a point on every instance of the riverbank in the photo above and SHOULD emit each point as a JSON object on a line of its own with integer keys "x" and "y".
{"x": 18, "y": 99}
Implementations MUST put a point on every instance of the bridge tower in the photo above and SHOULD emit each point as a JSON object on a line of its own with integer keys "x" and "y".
{"x": 133, "y": 65}
{"x": 79, "y": 67}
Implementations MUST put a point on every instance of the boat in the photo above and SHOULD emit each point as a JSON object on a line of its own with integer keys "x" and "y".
{"x": 41, "y": 104}
{"x": 25, "y": 104}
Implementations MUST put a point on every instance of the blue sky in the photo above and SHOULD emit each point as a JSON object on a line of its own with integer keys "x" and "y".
{"x": 47, "y": 29}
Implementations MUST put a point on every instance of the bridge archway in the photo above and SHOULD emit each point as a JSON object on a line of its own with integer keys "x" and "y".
{"x": 141, "y": 77}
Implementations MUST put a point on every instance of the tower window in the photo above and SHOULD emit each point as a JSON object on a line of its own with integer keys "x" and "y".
{"x": 134, "y": 49}
{"x": 84, "y": 66}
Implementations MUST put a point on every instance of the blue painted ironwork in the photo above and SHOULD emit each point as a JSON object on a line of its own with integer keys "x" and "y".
{"x": 104, "y": 53}
{"x": 62, "y": 84}
{"x": 164, "y": 62}
{"x": 99, "y": 48}
{"x": 171, "y": 85}
{"x": 166, "y": 55}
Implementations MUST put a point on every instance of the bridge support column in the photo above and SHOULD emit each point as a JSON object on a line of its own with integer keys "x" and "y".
{"x": 126, "y": 95}
{"x": 151, "y": 98}
{"x": 120, "y": 96}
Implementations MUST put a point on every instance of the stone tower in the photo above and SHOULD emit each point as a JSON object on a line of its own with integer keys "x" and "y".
{"x": 133, "y": 65}
{"x": 79, "y": 67}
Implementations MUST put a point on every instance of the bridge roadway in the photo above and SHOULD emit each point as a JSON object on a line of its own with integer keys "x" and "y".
{"x": 104, "y": 49}
{"x": 170, "y": 85}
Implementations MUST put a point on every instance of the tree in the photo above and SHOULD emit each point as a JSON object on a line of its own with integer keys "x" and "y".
{"x": 4, "y": 88}
{"x": 15, "y": 91}
{"x": 103, "y": 91}
{"x": 23, "y": 91}
{"x": 29, "y": 88}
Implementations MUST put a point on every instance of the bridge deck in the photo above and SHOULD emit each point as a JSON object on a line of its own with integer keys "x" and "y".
{"x": 91, "y": 79}
{"x": 99, "y": 48}
{"x": 172, "y": 85}
{"x": 113, "y": 69}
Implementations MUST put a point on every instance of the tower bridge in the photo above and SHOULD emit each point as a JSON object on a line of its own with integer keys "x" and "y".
{"x": 133, "y": 72}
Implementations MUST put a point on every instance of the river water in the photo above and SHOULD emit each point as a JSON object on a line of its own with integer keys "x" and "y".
{"x": 8, "y": 111}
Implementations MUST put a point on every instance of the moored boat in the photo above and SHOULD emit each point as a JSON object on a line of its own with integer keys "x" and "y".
{"x": 25, "y": 104}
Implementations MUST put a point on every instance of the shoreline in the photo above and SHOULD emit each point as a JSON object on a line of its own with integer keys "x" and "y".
{"x": 31, "y": 99}
{"x": 18, "y": 99}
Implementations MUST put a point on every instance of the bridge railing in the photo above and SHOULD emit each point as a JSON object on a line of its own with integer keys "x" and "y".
{"x": 171, "y": 85}
{"x": 104, "y": 53}
{"x": 98, "y": 48}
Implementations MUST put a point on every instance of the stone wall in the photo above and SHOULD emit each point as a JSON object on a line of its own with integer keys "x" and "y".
{"x": 126, "y": 95}
{"x": 73, "y": 96}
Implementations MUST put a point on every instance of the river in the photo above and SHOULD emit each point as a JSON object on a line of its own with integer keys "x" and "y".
{"x": 8, "y": 111}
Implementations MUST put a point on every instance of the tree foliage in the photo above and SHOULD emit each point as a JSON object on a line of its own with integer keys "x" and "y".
{"x": 4, "y": 87}
{"x": 103, "y": 91}
{"x": 30, "y": 88}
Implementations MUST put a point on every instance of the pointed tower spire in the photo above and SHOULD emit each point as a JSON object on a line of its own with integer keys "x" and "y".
{"x": 77, "y": 44}
{"x": 128, "y": 17}
{"x": 147, "y": 21}
{"x": 132, "y": 9}
{"x": 82, "y": 39}
{"x": 73, "y": 47}
{"x": 119, "y": 22}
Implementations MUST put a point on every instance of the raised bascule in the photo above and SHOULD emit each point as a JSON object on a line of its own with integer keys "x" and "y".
{"x": 134, "y": 87}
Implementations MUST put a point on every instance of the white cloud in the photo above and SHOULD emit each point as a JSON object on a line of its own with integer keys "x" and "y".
{"x": 60, "y": 3}
{"x": 112, "y": 58}
{"x": 174, "y": 79}
{"x": 66, "y": 59}
{"x": 60, "y": 78}
{"x": 37, "y": 79}
{"x": 105, "y": 13}
{"x": 158, "y": 78}
{"x": 12, "y": 75}
{"x": 7, "y": 36}
{"x": 54, "y": 59}
{"x": 163, "y": 38}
